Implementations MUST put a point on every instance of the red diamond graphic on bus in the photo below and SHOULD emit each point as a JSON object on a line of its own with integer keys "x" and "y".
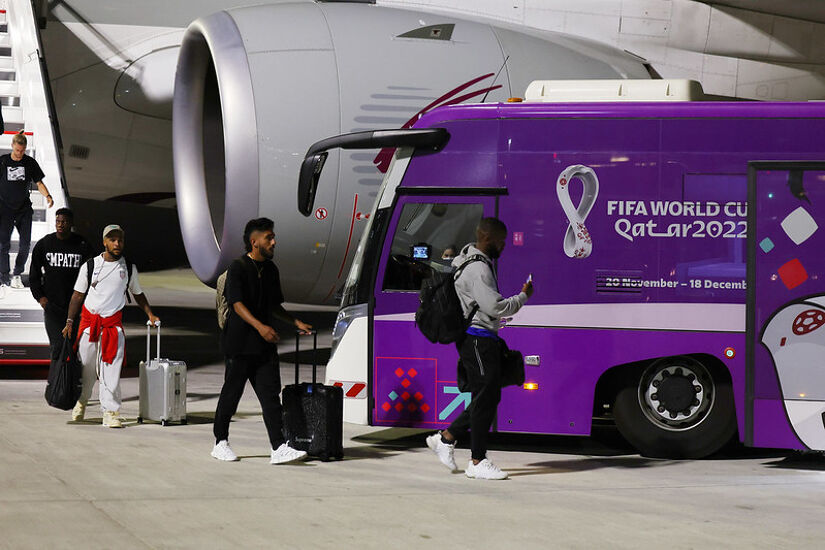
{"x": 406, "y": 383}
{"x": 399, "y": 372}
{"x": 411, "y": 407}
{"x": 405, "y": 396}
{"x": 411, "y": 373}
{"x": 398, "y": 407}
{"x": 793, "y": 274}
{"x": 425, "y": 407}
{"x": 386, "y": 406}
{"x": 418, "y": 396}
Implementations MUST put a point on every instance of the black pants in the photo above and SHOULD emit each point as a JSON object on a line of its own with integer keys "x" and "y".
{"x": 55, "y": 319}
{"x": 264, "y": 374}
{"x": 22, "y": 221}
{"x": 481, "y": 358}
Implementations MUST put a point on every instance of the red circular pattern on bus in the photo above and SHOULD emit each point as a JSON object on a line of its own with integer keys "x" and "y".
{"x": 808, "y": 321}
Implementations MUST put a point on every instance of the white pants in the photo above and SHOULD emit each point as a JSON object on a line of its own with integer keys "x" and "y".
{"x": 107, "y": 373}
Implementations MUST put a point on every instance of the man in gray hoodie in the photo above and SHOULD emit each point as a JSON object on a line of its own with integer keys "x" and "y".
{"x": 481, "y": 349}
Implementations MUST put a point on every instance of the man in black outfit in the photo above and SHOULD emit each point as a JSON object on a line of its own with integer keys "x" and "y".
{"x": 18, "y": 171}
{"x": 56, "y": 260}
{"x": 253, "y": 294}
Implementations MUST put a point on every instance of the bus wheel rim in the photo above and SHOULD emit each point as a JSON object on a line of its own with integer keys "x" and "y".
{"x": 677, "y": 395}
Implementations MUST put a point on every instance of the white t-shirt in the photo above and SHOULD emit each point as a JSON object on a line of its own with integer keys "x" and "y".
{"x": 107, "y": 295}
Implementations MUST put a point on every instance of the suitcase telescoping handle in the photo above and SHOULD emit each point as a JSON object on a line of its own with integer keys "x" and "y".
{"x": 149, "y": 339}
{"x": 314, "y": 354}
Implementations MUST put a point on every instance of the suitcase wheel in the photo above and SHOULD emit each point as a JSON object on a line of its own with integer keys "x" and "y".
{"x": 164, "y": 422}
{"x": 140, "y": 420}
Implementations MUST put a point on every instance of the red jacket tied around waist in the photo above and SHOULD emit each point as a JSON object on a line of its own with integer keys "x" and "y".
{"x": 104, "y": 328}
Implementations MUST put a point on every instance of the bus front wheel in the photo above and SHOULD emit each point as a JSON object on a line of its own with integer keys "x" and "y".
{"x": 678, "y": 407}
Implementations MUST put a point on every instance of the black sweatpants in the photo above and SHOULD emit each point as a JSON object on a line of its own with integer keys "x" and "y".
{"x": 55, "y": 319}
{"x": 9, "y": 221}
{"x": 481, "y": 358}
{"x": 264, "y": 374}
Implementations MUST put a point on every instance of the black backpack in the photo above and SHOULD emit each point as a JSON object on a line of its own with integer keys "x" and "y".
{"x": 440, "y": 317}
{"x": 221, "y": 305}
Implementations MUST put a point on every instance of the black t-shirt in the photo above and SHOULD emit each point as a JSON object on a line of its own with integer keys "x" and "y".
{"x": 16, "y": 179}
{"x": 54, "y": 267}
{"x": 258, "y": 286}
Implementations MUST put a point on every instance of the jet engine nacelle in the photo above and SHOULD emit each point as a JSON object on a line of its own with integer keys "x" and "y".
{"x": 256, "y": 86}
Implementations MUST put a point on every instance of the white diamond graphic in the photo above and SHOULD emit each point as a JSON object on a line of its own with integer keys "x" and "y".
{"x": 799, "y": 225}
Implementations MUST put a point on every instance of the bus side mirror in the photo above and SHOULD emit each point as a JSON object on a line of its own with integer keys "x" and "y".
{"x": 426, "y": 139}
{"x": 308, "y": 181}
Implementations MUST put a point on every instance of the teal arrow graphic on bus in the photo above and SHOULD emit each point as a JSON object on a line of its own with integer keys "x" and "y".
{"x": 460, "y": 398}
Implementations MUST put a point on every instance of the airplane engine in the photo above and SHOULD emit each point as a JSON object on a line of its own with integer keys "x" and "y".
{"x": 256, "y": 86}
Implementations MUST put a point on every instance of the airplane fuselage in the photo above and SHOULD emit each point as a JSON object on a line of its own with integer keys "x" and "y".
{"x": 302, "y": 71}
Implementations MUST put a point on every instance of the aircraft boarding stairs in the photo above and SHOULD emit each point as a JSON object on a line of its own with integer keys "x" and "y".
{"x": 25, "y": 100}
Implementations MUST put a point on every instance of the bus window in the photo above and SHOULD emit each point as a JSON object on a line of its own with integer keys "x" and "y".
{"x": 428, "y": 234}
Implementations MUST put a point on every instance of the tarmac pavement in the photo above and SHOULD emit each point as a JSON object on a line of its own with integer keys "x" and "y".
{"x": 79, "y": 485}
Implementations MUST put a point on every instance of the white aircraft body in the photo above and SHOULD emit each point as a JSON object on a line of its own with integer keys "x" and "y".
{"x": 257, "y": 84}
{"x": 754, "y": 49}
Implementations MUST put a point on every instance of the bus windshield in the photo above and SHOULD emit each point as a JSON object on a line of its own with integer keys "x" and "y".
{"x": 357, "y": 286}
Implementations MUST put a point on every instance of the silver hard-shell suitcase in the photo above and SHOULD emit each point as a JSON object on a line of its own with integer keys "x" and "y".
{"x": 162, "y": 386}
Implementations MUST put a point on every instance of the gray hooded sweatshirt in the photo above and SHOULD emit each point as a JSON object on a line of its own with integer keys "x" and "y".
{"x": 476, "y": 284}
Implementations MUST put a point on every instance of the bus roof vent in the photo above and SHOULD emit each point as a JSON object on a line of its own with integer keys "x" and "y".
{"x": 566, "y": 91}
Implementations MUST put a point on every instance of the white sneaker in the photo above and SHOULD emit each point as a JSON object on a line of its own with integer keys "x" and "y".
{"x": 445, "y": 452}
{"x": 17, "y": 282}
{"x": 111, "y": 419}
{"x": 285, "y": 454}
{"x": 484, "y": 470}
{"x": 222, "y": 451}
{"x": 79, "y": 411}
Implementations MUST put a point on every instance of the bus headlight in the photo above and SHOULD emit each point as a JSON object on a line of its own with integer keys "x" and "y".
{"x": 345, "y": 318}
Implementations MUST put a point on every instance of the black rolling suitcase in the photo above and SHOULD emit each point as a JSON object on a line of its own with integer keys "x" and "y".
{"x": 314, "y": 413}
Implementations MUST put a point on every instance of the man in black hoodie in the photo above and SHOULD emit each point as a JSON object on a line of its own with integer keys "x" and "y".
{"x": 56, "y": 260}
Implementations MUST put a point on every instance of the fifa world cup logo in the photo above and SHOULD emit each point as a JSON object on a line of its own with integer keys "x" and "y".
{"x": 578, "y": 242}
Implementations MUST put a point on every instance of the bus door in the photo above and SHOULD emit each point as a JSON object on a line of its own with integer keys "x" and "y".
{"x": 413, "y": 380}
{"x": 785, "y": 381}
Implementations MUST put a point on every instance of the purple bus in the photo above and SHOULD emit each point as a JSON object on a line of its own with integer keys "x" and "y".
{"x": 679, "y": 273}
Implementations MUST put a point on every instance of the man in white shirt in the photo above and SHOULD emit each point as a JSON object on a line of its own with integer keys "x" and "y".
{"x": 100, "y": 343}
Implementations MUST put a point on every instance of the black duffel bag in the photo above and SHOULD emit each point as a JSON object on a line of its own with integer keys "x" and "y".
{"x": 512, "y": 367}
{"x": 512, "y": 370}
{"x": 65, "y": 384}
